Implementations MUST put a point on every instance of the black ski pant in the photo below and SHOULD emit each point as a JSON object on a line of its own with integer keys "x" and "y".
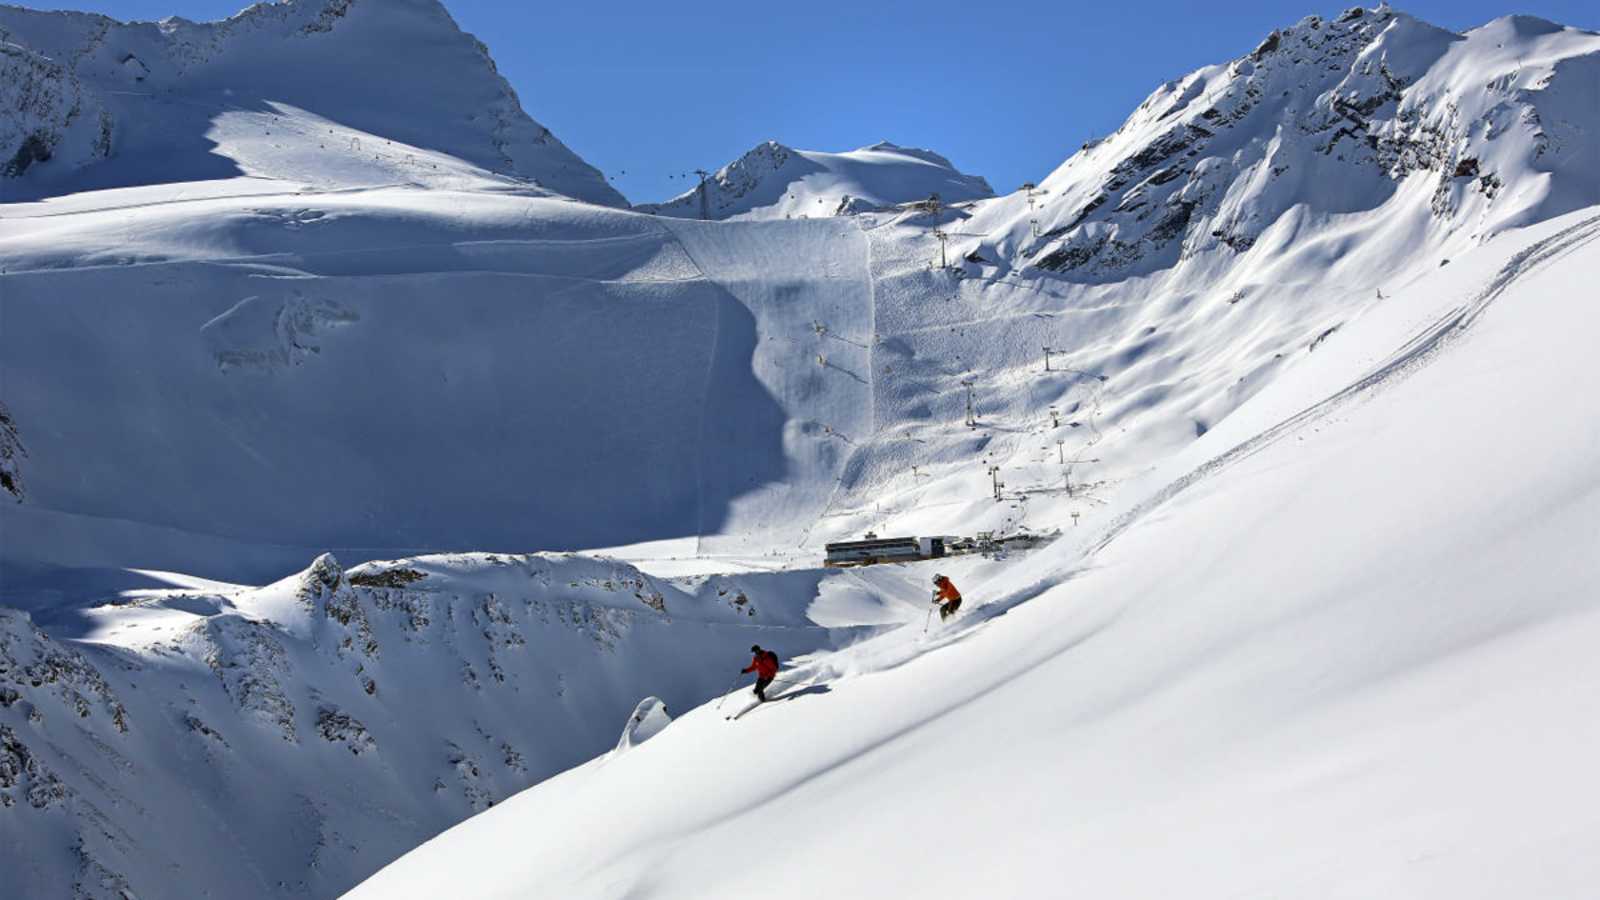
{"x": 949, "y": 609}
{"x": 761, "y": 687}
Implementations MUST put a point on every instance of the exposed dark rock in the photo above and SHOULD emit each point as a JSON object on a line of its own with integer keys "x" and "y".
{"x": 1068, "y": 257}
{"x": 35, "y": 148}
{"x": 397, "y": 577}
{"x": 338, "y": 727}
{"x": 1267, "y": 46}
{"x": 11, "y": 453}
{"x": 1173, "y": 223}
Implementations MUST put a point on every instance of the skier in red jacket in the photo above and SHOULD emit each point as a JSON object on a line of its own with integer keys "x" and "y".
{"x": 946, "y": 597}
{"x": 765, "y": 665}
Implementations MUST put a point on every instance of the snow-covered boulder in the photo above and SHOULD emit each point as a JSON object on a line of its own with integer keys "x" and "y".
{"x": 647, "y": 720}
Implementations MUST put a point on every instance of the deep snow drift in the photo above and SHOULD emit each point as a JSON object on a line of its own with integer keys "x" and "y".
{"x": 322, "y": 333}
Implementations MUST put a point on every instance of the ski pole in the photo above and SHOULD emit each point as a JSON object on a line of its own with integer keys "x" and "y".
{"x": 928, "y": 621}
{"x": 729, "y": 690}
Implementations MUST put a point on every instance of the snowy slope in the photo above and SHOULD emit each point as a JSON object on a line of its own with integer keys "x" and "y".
{"x": 323, "y": 93}
{"x": 390, "y": 346}
{"x": 1322, "y": 657}
{"x": 630, "y": 376}
{"x": 777, "y": 182}
{"x": 1343, "y": 144}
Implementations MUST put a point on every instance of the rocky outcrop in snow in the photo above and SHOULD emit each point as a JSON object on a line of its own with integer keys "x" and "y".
{"x": 11, "y": 453}
{"x": 288, "y": 740}
{"x": 46, "y": 113}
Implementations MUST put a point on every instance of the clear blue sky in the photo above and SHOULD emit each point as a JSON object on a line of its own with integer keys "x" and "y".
{"x": 1006, "y": 90}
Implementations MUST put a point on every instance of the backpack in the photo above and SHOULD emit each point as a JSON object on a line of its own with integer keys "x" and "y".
{"x": 772, "y": 656}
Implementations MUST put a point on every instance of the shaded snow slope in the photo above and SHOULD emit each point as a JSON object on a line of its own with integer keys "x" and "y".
{"x": 1319, "y": 654}
{"x": 328, "y": 93}
{"x": 777, "y": 182}
{"x": 535, "y": 373}
{"x": 288, "y": 740}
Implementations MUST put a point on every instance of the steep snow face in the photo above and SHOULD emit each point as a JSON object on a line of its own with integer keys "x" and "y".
{"x": 1374, "y": 112}
{"x": 777, "y": 182}
{"x": 286, "y": 741}
{"x": 1317, "y": 653}
{"x": 323, "y": 92}
{"x": 46, "y": 113}
{"x": 537, "y": 373}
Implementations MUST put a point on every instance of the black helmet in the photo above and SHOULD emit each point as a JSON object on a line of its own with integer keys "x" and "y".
{"x": 938, "y": 578}
{"x": 755, "y": 648}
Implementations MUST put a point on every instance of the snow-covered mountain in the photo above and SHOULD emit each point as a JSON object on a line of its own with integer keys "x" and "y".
{"x": 1309, "y": 479}
{"x": 1372, "y": 111}
{"x": 322, "y": 93}
{"x": 777, "y": 182}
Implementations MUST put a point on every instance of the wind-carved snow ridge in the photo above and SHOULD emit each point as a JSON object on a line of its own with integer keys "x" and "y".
{"x": 335, "y": 93}
{"x": 647, "y": 720}
{"x": 773, "y": 181}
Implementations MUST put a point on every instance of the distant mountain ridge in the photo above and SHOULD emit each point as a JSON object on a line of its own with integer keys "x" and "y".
{"x": 89, "y": 102}
{"x": 774, "y": 181}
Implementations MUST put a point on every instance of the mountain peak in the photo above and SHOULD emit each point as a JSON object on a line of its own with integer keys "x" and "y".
{"x": 302, "y": 90}
{"x": 1328, "y": 117}
{"x": 776, "y": 181}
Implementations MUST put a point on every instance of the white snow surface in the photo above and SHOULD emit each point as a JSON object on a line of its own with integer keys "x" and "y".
{"x": 1324, "y": 658}
{"x": 773, "y": 181}
{"x": 312, "y": 93}
{"x": 1315, "y": 425}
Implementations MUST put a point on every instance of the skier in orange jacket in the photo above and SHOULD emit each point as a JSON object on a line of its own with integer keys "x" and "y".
{"x": 946, "y": 597}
